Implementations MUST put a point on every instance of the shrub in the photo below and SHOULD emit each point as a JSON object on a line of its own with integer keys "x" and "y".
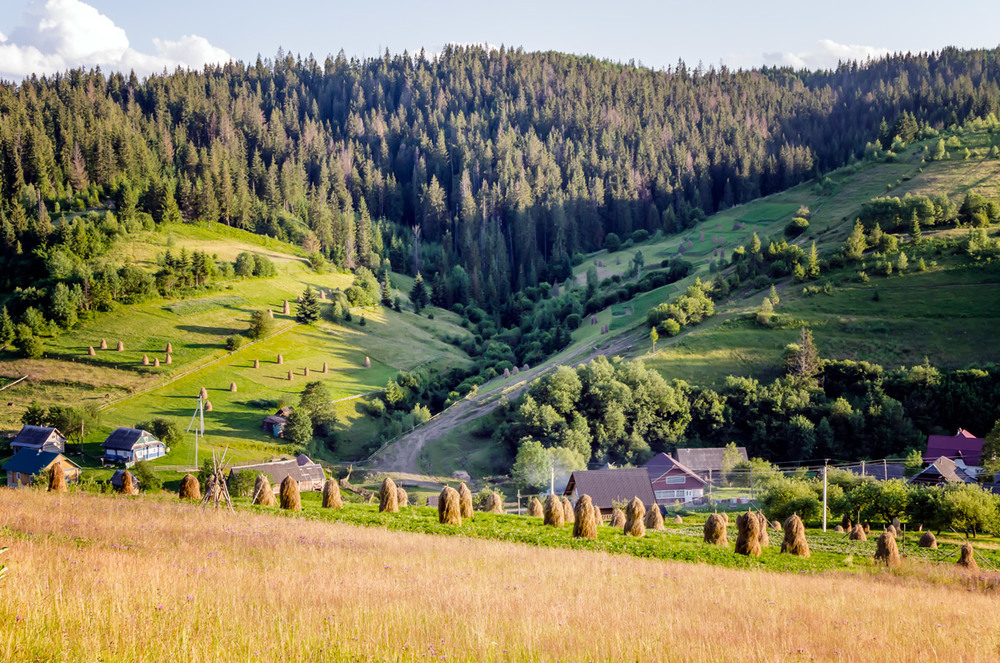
{"x": 796, "y": 226}
{"x": 612, "y": 242}
{"x": 235, "y": 342}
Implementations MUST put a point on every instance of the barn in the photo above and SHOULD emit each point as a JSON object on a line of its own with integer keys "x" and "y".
{"x": 310, "y": 475}
{"x": 611, "y": 486}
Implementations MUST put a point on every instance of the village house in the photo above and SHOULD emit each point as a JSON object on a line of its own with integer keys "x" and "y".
{"x": 707, "y": 462}
{"x": 39, "y": 438}
{"x": 130, "y": 445}
{"x": 963, "y": 445}
{"x": 608, "y": 487}
{"x": 945, "y": 470}
{"x": 26, "y": 463}
{"x": 310, "y": 475}
{"x": 274, "y": 424}
{"x": 673, "y": 482}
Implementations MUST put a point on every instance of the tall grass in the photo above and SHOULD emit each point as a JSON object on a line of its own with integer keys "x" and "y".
{"x": 123, "y": 579}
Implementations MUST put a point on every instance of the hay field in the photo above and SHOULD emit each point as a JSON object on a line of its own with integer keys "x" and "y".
{"x": 135, "y": 579}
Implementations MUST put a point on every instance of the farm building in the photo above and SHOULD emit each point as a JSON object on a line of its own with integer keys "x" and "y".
{"x": 309, "y": 474}
{"x": 672, "y": 481}
{"x": 945, "y": 470}
{"x": 119, "y": 475}
{"x": 706, "y": 463}
{"x": 962, "y": 444}
{"x": 26, "y": 463}
{"x": 274, "y": 424}
{"x": 607, "y": 487}
{"x": 129, "y": 445}
{"x": 39, "y": 438}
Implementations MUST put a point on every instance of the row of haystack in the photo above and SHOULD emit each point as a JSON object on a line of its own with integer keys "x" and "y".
{"x": 752, "y": 533}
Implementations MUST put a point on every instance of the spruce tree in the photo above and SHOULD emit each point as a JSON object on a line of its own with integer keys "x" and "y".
{"x": 418, "y": 294}
{"x": 308, "y": 309}
{"x": 6, "y": 328}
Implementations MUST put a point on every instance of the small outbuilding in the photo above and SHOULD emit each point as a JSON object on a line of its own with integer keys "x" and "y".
{"x": 606, "y": 487}
{"x": 274, "y": 424}
{"x": 119, "y": 476}
{"x": 26, "y": 463}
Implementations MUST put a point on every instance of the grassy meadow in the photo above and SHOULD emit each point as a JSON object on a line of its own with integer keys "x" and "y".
{"x": 138, "y": 579}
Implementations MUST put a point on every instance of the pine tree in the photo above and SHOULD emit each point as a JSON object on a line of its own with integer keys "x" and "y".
{"x": 6, "y": 328}
{"x": 386, "y": 286}
{"x": 915, "y": 233}
{"x": 308, "y": 308}
{"x": 856, "y": 244}
{"x": 804, "y": 360}
{"x": 812, "y": 266}
{"x": 773, "y": 295}
{"x": 653, "y": 337}
{"x": 418, "y": 294}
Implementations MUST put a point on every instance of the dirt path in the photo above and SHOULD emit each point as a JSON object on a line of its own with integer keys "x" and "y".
{"x": 403, "y": 455}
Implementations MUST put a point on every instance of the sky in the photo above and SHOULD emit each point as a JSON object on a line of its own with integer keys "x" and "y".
{"x": 48, "y": 36}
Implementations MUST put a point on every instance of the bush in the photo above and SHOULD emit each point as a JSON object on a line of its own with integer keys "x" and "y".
{"x": 235, "y": 342}
{"x": 148, "y": 479}
{"x": 164, "y": 430}
{"x": 640, "y": 236}
{"x": 796, "y": 226}
{"x": 612, "y": 242}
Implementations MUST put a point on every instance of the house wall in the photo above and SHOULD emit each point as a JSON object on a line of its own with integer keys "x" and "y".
{"x": 18, "y": 480}
{"x": 677, "y": 485}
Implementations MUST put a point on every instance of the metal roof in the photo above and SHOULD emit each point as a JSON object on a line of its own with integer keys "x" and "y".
{"x": 606, "y": 487}
{"x": 705, "y": 459}
{"x": 128, "y": 438}
{"x": 666, "y": 464}
{"x": 301, "y": 469}
{"x": 30, "y": 461}
{"x": 943, "y": 468}
{"x": 962, "y": 445}
{"x": 35, "y": 436}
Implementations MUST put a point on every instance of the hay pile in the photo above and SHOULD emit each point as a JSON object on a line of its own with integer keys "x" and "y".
{"x": 121, "y": 347}
{"x": 839, "y": 529}
{"x": 290, "y": 498}
{"x": 256, "y": 363}
{"x": 867, "y": 528}
{"x": 928, "y": 540}
{"x": 634, "y": 513}
{"x": 170, "y": 359}
{"x": 232, "y": 387}
{"x": 331, "y": 495}
{"x": 858, "y": 533}
{"x": 170, "y": 348}
{"x": 494, "y": 503}
{"x": 775, "y": 525}
{"x": 886, "y": 550}
{"x": 280, "y": 360}
{"x": 262, "y": 493}
{"x": 465, "y": 501}
{"x": 896, "y": 533}
{"x": 203, "y": 394}
{"x": 748, "y": 534}
{"x": 90, "y": 351}
{"x": 763, "y": 538}
{"x": 678, "y": 520}
{"x": 598, "y": 516}
{"x": 401, "y": 497}
{"x": 190, "y": 488}
{"x": 388, "y": 498}
{"x": 535, "y": 508}
{"x": 795, "y": 537}
{"x": 128, "y": 484}
{"x": 554, "y": 514}
{"x": 326, "y": 368}
{"x": 584, "y": 525}
{"x": 654, "y": 519}
{"x": 617, "y": 518}
{"x": 967, "y": 558}
{"x": 57, "y": 479}
{"x": 449, "y": 510}
{"x": 715, "y": 530}
{"x": 104, "y": 344}
{"x": 897, "y": 525}
{"x": 145, "y": 360}
{"x": 156, "y": 362}
{"x": 845, "y": 522}
{"x": 567, "y": 507}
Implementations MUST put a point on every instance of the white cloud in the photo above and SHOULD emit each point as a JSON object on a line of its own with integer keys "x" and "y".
{"x": 56, "y": 35}
{"x": 826, "y": 56}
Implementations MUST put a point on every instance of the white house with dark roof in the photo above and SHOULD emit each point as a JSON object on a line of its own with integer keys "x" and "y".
{"x": 130, "y": 445}
{"x": 39, "y": 438}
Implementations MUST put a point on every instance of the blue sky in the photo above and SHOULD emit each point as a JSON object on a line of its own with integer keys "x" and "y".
{"x": 50, "y": 35}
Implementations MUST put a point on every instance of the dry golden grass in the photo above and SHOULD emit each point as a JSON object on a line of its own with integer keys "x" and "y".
{"x": 97, "y": 578}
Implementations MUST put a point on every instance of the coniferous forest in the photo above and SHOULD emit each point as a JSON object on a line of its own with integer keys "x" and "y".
{"x": 489, "y": 169}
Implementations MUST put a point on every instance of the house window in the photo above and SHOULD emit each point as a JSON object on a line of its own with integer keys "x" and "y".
{"x": 676, "y": 480}
{"x": 668, "y": 494}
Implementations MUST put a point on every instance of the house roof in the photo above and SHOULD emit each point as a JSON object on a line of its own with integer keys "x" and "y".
{"x": 301, "y": 469}
{"x": 35, "y": 436}
{"x": 606, "y": 487}
{"x": 275, "y": 419}
{"x": 668, "y": 464}
{"x": 962, "y": 444}
{"x": 116, "y": 479}
{"x": 942, "y": 468}
{"x": 127, "y": 438}
{"x": 708, "y": 458}
{"x": 880, "y": 471}
{"x": 30, "y": 461}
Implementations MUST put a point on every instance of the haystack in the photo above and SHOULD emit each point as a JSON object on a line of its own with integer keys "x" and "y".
{"x": 280, "y": 360}
{"x": 285, "y": 308}
{"x": 401, "y": 497}
{"x": 305, "y": 371}
{"x": 464, "y": 501}
{"x": 256, "y": 363}
{"x": 289, "y": 376}
{"x": 104, "y": 344}
{"x": 795, "y": 537}
{"x": 886, "y": 550}
{"x": 170, "y": 348}
{"x": 290, "y": 498}
{"x": 388, "y": 498}
{"x": 715, "y": 530}
{"x": 326, "y": 368}
{"x": 128, "y": 484}
{"x": 170, "y": 359}
{"x": 91, "y": 351}
{"x": 554, "y": 514}
{"x": 858, "y": 533}
{"x": 967, "y": 558}
{"x": 928, "y": 540}
{"x": 775, "y": 525}
{"x": 156, "y": 362}
{"x": 678, "y": 520}
{"x": 598, "y": 516}
{"x": 654, "y": 518}
{"x": 748, "y": 534}
{"x": 506, "y": 373}
{"x": 121, "y": 347}
{"x": 764, "y": 538}
{"x": 232, "y": 387}
{"x": 839, "y": 529}
{"x": 494, "y": 503}
{"x": 617, "y": 518}
{"x": 449, "y": 510}
{"x": 845, "y": 522}
{"x": 145, "y": 360}
{"x": 584, "y": 525}
{"x": 208, "y": 406}
{"x": 331, "y": 495}
{"x": 190, "y": 488}
{"x": 868, "y": 528}
{"x": 634, "y": 513}
{"x": 262, "y": 493}
{"x": 270, "y": 314}
{"x": 567, "y": 507}
{"x": 57, "y": 479}
{"x": 535, "y": 508}
{"x": 368, "y": 362}
{"x": 203, "y": 394}
{"x": 897, "y": 525}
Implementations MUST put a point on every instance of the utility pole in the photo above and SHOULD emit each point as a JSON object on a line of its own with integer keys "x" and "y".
{"x": 862, "y": 468}
{"x": 826, "y": 466}
{"x": 885, "y": 470}
{"x": 751, "y": 482}
{"x": 552, "y": 482}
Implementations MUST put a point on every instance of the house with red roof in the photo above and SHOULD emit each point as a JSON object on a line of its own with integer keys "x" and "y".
{"x": 963, "y": 445}
{"x": 672, "y": 481}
